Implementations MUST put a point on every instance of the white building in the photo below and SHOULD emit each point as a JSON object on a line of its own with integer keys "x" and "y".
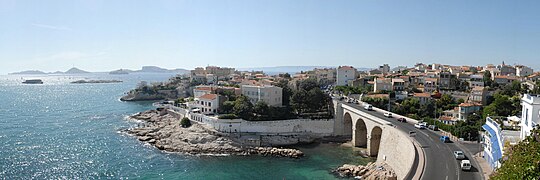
{"x": 344, "y": 75}
{"x": 271, "y": 95}
{"x": 530, "y": 114}
{"x": 382, "y": 84}
{"x": 523, "y": 71}
{"x": 208, "y": 103}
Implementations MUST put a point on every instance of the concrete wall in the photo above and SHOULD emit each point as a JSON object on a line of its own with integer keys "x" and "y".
{"x": 397, "y": 150}
{"x": 323, "y": 127}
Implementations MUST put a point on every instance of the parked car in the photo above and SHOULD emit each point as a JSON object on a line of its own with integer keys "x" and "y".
{"x": 433, "y": 127}
{"x": 419, "y": 126}
{"x": 459, "y": 155}
{"x": 465, "y": 165}
{"x": 387, "y": 114}
{"x": 445, "y": 139}
{"x": 401, "y": 119}
{"x": 368, "y": 107}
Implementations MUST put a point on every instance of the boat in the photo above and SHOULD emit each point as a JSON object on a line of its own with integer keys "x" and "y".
{"x": 33, "y": 81}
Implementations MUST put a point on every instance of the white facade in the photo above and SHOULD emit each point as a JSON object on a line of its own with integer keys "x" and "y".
{"x": 530, "y": 114}
{"x": 271, "y": 95}
{"x": 523, "y": 71}
{"x": 345, "y": 74}
{"x": 208, "y": 103}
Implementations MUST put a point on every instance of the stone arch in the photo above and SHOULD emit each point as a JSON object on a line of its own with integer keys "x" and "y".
{"x": 347, "y": 124}
{"x": 375, "y": 141}
{"x": 360, "y": 134}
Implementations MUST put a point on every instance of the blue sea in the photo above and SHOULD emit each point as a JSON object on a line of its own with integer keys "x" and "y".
{"x": 59, "y": 130}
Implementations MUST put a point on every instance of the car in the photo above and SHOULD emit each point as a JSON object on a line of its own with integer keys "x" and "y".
{"x": 466, "y": 165}
{"x": 412, "y": 133}
{"x": 419, "y": 126}
{"x": 459, "y": 155}
{"x": 433, "y": 127}
{"x": 368, "y": 107}
{"x": 402, "y": 119}
{"x": 387, "y": 114}
{"x": 445, "y": 139}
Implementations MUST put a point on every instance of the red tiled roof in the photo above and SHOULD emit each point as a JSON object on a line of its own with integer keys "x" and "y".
{"x": 422, "y": 95}
{"x": 468, "y": 104}
{"x": 209, "y": 96}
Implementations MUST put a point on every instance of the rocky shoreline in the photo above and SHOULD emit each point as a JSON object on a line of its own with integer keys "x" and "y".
{"x": 165, "y": 133}
{"x": 369, "y": 171}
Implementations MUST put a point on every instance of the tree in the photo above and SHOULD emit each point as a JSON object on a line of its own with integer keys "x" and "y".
{"x": 446, "y": 102}
{"x": 243, "y": 108}
{"x": 227, "y": 107}
{"x": 286, "y": 92}
{"x": 298, "y": 101}
{"x": 185, "y": 122}
{"x": 523, "y": 160}
{"x": 427, "y": 109}
{"x": 487, "y": 78}
{"x": 261, "y": 109}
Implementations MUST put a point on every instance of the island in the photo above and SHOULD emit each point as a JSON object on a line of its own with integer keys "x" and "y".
{"x": 95, "y": 81}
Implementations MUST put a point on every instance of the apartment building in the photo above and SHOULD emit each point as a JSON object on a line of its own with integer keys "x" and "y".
{"x": 271, "y": 95}
{"x": 344, "y": 75}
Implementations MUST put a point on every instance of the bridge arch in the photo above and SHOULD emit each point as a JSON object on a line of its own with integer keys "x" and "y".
{"x": 360, "y": 133}
{"x": 347, "y": 122}
{"x": 375, "y": 141}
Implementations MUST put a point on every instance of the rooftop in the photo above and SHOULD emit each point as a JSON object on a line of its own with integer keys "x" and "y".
{"x": 422, "y": 95}
{"x": 209, "y": 96}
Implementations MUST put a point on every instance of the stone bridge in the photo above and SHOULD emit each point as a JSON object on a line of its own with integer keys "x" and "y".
{"x": 382, "y": 139}
{"x": 365, "y": 129}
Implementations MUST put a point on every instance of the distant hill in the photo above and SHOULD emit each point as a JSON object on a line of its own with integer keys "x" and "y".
{"x": 155, "y": 69}
{"x": 121, "y": 71}
{"x": 28, "y": 72}
{"x": 75, "y": 71}
{"x": 283, "y": 69}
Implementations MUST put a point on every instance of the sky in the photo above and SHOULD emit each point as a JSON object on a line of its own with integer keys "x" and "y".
{"x": 97, "y": 35}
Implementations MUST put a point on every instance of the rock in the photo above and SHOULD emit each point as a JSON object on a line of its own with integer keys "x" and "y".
{"x": 144, "y": 138}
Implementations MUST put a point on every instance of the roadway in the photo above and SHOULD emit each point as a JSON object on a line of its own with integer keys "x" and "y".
{"x": 440, "y": 162}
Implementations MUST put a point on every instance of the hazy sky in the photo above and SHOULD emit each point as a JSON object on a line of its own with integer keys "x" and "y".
{"x": 106, "y": 35}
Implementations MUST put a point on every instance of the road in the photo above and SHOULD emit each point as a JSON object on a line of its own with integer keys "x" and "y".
{"x": 440, "y": 162}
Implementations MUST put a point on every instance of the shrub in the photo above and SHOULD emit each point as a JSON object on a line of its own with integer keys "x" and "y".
{"x": 227, "y": 116}
{"x": 185, "y": 122}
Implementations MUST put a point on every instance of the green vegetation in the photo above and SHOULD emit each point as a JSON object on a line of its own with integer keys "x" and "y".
{"x": 227, "y": 116}
{"x": 185, "y": 122}
{"x": 309, "y": 101}
{"x": 523, "y": 160}
{"x": 353, "y": 90}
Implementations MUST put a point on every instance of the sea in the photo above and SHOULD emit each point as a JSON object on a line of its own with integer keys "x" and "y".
{"x": 59, "y": 130}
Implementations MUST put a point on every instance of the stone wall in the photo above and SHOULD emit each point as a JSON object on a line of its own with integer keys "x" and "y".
{"x": 397, "y": 150}
{"x": 321, "y": 127}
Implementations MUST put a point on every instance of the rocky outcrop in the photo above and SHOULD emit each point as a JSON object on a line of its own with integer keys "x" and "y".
{"x": 272, "y": 151}
{"x": 165, "y": 133}
{"x": 369, "y": 171}
{"x": 137, "y": 96}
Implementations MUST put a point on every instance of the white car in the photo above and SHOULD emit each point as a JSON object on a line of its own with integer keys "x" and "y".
{"x": 459, "y": 155}
{"x": 387, "y": 114}
{"x": 465, "y": 165}
{"x": 368, "y": 107}
{"x": 419, "y": 126}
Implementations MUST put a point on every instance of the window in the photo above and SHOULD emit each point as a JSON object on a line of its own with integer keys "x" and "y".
{"x": 526, "y": 116}
{"x": 209, "y": 104}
